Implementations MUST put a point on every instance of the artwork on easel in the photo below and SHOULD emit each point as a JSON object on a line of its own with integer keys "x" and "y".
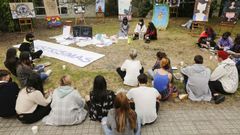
{"x": 79, "y": 9}
{"x": 22, "y": 10}
{"x": 160, "y": 16}
{"x": 125, "y": 9}
{"x": 201, "y": 10}
{"x": 230, "y": 14}
{"x": 100, "y": 6}
{"x": 52, "y": 14}
{"x": 174, "y": 3}
{"x": 53, "y": 21}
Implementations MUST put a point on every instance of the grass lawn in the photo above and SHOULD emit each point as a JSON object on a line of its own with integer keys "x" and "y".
{"x": 175, "y": 41}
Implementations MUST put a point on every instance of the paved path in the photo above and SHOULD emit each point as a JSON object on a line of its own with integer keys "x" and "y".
{"x": 213, "y": 120}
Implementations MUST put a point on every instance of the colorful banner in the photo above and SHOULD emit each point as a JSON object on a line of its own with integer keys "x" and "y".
{"x": 22, "y": 10}
{"x": 100, "y": 6}
{"x": 125, "y": 9}
{"x": 201, "y": 10}
{"x": 160, "y": 16}
{"x": 53, "y": 21}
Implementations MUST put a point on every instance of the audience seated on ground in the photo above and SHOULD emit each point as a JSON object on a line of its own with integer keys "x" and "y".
{"x": 8, "y": 94}
{"x": 31, "y": 104}
{"x": 139, "y": 30}
{"x": 121, "y": 120}
{"x": 225, "y": 42}
{"x": 224, "y": 78}
{"x": 130, "y": 69}
{"x": 25, "y": 69}
{"x": 162, "y": 80}
{"x": 28, "y": 46}
{"x": 159, "y": 55}
{"x": 124, "y": 28}
{"x": 146, "y": 100}
{"x": 11, "y": 62}
{"x": 67, "y": 106}
{"x": 151, "y": 33}
{"x": 101, "y": 100}
{"x": 207, "y": 37}
{"x": 235, "y": 52}
{"x": 196, "y": 78}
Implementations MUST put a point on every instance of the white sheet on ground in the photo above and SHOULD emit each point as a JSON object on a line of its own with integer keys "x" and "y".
{"x": 72, "y": 55}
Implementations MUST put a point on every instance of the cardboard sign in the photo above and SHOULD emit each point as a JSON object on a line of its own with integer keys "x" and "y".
{"x": 51, "y": 7}
{"x": 22, "y": 10}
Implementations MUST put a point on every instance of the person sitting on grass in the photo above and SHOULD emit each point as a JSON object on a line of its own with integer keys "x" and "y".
{"x": 151, "y": 33}
{"x": 162, "y": 79}
{"x": 8, "y": 94}
{"x": 159, "y": 55}
{"x": 121, "y": 120}
{"x": 100, "y": 100}
{"x": 207, "y": 37}
{"x": 67, "y": 106}
{"x": 25, "y": 69}
{"x": 130, "y": 69}
{"x": 124, "y": 28}
{"x": 139, "y": 30}
{"x": 146, "y": 100}
{"x": 31, "y": 104}
{"x": 11, "y": 62}
{"x": 235, "y": 52}
{"x": 224, "y": 78}
{"x": 225, "y": 42}
{"x": 28, "y": 46}
{"x": 197, "y": 77}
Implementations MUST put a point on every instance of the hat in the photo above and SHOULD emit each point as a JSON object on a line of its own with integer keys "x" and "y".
{"x": 222, "y": 54}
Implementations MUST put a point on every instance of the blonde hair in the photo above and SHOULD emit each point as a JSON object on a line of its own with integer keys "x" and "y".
{"x": 164, "y": 63}
{"x": 65, "y": 80}
{"x": 133, "y": 54}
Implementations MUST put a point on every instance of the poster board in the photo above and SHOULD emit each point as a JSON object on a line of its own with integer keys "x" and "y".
{"x": 230, "y": 13}
{"x": 201, "y": 10}
{"x": 22, "y": 10}
{"x": 125, "y": 9}
{"x": 51, "y": 8}
{"x": 174, "y": 3}
{"x": 100, "y": 6}
{"x": 160, "y": 16}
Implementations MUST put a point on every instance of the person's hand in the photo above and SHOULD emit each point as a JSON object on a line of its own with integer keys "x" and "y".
{"x": 87, "y": 98}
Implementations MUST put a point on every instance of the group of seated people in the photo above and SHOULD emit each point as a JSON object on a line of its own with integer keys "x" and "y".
{"x": 119, "y": 113}
{"x": 140, "y": 32}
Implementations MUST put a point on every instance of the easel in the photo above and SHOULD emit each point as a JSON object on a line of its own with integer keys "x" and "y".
{"x": 100, "y": 15}
{"x": 25, "y": 22}
{"x": 174, "y": 10}
{"x": 229, "y": 25}
{"x": 197, "y": 25}
{"x": 80, "y": 18}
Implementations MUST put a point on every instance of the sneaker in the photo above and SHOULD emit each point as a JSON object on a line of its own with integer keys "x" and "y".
{"x": 48, "y": 72}
{"x": 219, "y": 99}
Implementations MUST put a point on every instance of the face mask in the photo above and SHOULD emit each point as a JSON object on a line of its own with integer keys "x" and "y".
{"x": 140, "y": 23}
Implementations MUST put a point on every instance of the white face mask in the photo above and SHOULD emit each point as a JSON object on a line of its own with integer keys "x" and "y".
{"x": 140, "y": 23}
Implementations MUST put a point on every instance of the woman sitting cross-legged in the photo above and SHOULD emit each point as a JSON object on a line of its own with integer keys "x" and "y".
{"x": 67, "y": 105}
{"x": 124, "y": 28}
{"x": 31, "y": 105}
{"x": 151, "y": 33}
{"x": 8, "y": 94}
{"x": 162, "y": 79}
{"x": 130, "y": 69}
{"x": 139, "y": 30}
{"x": 100, "y": 100}
{"x": 121, "y": 120}
{"x": 11, "y": 62}
{"x": 207, "y": 38}
{"x": 225, "y": 42}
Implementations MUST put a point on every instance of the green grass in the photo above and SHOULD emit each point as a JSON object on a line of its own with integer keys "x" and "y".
{"x": 175, "y": 41}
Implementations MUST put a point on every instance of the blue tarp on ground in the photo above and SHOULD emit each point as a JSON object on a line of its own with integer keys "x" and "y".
{"x": 160, "y": 16}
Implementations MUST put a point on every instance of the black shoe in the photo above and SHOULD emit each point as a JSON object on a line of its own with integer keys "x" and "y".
{"x": 147, "y": 41}
{"x": 219, "y": 99}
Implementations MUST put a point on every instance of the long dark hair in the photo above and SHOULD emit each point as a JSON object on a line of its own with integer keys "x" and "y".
{"x": 99, "y": 88}
{"x": 151, "y": 26}
{"x": 124, "y": 113}
{"x": 11, "y": 55}
{"x": 25, "y": 58}
{"x": 237, "y": 39}
{"x": 34, "y": 82}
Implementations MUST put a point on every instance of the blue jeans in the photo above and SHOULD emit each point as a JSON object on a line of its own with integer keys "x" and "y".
{"x": 43, "y": 76}
{"x": 39, "y": 68}
{"x": 108, "y": 131}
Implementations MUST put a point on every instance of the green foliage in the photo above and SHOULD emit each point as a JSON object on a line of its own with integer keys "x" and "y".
{"x": 143, "y": 6}
{"x": 6, "y": 21}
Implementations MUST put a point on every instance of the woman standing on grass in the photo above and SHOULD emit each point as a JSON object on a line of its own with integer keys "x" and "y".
{"x": 121, "y": 120}
{"x": 100, "y": 100}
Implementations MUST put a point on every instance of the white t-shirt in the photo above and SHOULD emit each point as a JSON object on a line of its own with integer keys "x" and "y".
{"x": 132, "y": 68}
{"x": 145, "y": 103}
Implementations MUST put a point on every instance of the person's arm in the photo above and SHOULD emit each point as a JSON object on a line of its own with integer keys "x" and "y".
{"x": 185, "y": 71}
{"x": 144, "y": 29}
{"x": 217, "y": 73}
{"x": 124, "y": 66}
{"x": 136, "y": 29}
{"x": 38, "y": 98}
{"x": 79, "y": 100}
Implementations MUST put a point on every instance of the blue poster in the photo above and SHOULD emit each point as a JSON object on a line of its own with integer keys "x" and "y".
{"x": 160, "y": 16}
